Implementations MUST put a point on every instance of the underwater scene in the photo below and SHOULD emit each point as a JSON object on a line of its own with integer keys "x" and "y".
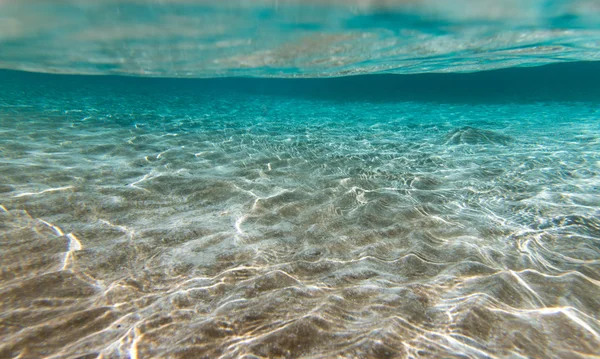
{"x": 300, "y": 179}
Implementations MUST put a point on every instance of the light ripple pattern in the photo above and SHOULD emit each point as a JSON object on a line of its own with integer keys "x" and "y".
{"x": 155, "y": 218}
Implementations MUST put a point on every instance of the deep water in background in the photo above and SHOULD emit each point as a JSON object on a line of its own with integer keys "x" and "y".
{"x": 367, "y": 217}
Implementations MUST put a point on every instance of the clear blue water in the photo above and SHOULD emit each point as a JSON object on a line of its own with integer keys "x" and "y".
{"x": 293, "y": 38}
{"x": 439, "y": 210}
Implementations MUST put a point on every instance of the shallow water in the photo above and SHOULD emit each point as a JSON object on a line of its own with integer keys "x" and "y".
{"x": 382, "y": 216}
{"x": 206, "y": 219}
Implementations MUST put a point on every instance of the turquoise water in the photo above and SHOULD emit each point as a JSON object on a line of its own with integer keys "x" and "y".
{"x": 429, "y": 208}
{"x": 293, "y": 38}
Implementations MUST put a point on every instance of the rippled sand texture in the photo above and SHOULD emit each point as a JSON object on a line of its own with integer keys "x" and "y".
{"x": 140, "y": 224}
{"x": 293, "y": 38}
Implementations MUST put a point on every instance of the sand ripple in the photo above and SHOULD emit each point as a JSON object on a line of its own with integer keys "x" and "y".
{"x": 216, "y": 228}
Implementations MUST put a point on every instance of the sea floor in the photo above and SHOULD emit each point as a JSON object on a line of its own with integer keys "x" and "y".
{"x": 137, "y": 223}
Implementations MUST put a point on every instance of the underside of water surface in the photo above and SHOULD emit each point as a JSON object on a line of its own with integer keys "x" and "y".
{"x": 451, "y": 213}
{"x": 293, "y": 38}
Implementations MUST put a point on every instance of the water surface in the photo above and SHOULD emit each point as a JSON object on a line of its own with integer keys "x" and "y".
{"x": 452, "y": 214}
